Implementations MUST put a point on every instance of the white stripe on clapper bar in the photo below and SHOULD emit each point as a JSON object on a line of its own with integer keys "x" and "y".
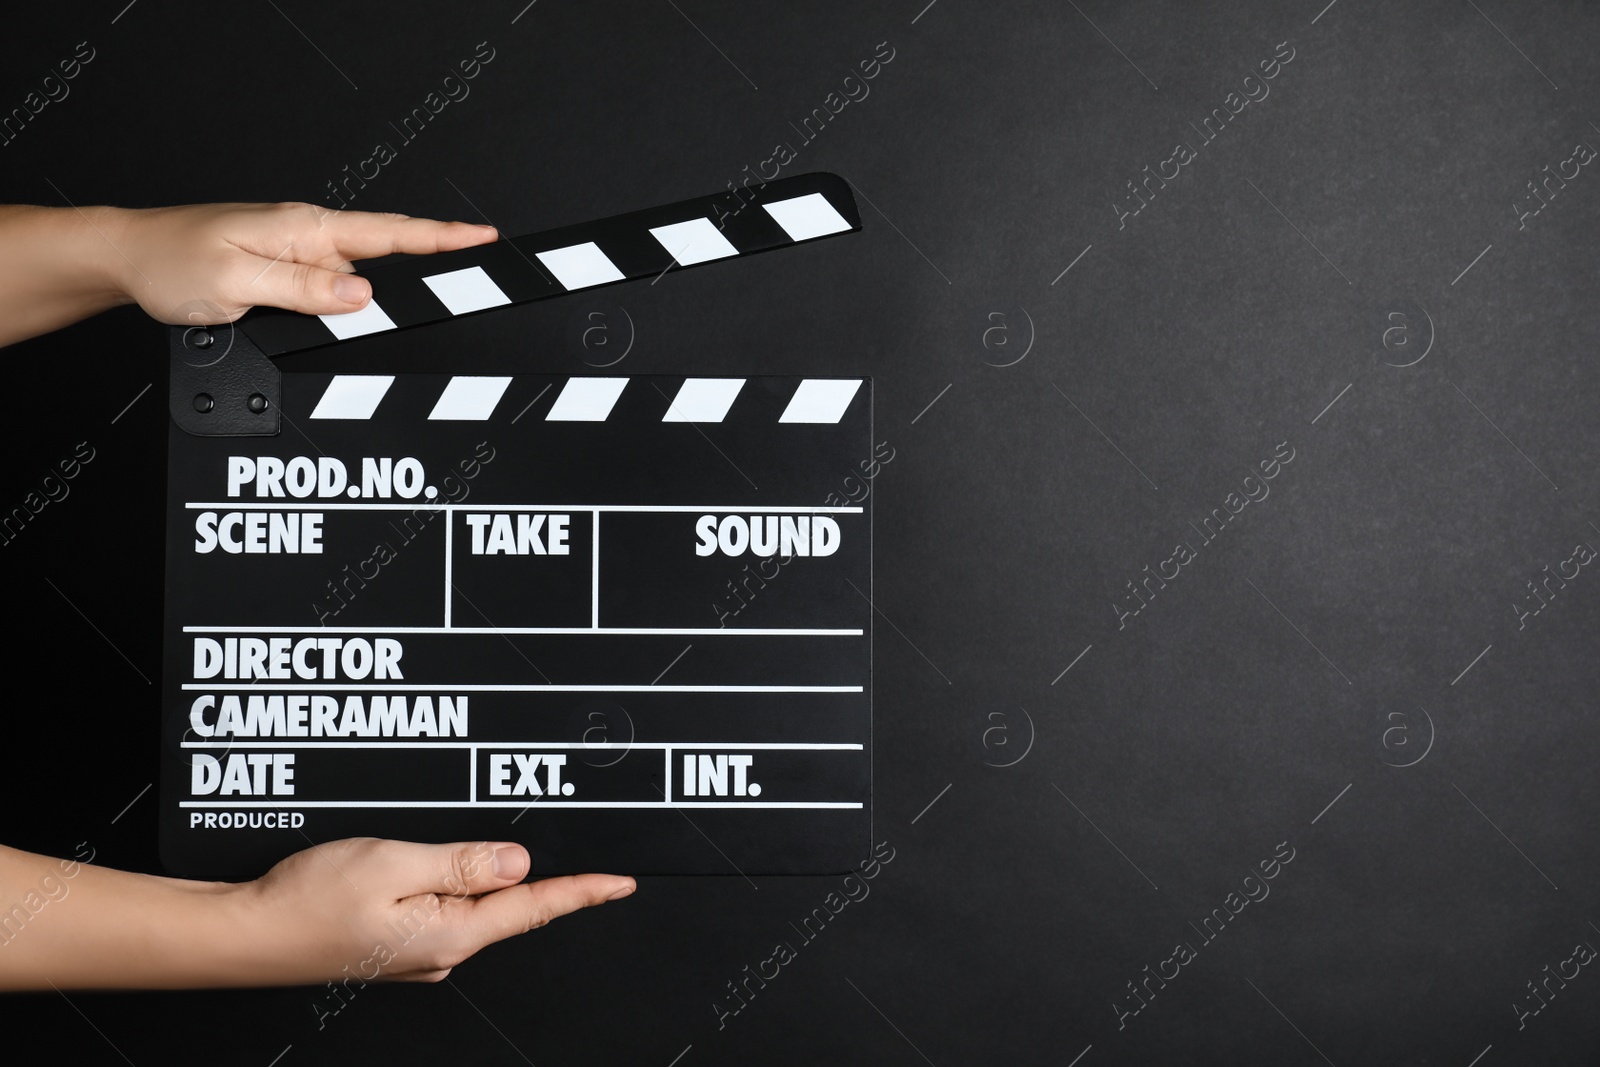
{"x": 586, "y": 400}
{"x": 352, "y": 396}
{"x": 580, "y": 266}
{"x": 703, "y": 400}
{"x": 805, "y": 217}
{"x": 469, "y": 398}
{"x": 370, "y": 319}
{"x": 695, "y": 241}
{"x": 821, "y": 400}
{"x": 467, "y": 290}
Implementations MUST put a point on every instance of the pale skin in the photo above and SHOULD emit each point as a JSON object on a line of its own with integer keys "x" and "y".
{"x": 198, "y": 264}
{"x": 360, "y": 908}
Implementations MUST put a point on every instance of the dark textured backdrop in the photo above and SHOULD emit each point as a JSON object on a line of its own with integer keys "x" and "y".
{"x": 1055, "y": 433}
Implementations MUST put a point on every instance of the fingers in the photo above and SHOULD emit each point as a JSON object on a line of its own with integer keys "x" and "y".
{"x": 367, "y": 234}
{"x": 308, "y": 289}
{"x": 525, "y": 907}
{"x": 312, "y": 272}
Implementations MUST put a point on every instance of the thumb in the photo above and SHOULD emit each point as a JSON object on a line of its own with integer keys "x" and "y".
{"x": 459, "y": 870}
{"x": 309, "y": 290}
{"x": 526, "y": 907}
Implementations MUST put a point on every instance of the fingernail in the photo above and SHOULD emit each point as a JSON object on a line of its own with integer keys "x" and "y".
{"x": 624, "y": 891}
{"x": 510, "y": 863}
{"x": 349, "y": 289}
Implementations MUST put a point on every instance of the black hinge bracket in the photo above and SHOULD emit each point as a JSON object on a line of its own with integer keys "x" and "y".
{"x": 221, "y": 384}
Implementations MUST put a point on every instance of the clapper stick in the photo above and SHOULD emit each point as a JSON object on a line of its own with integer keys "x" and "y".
{"x": 223, "y": 381}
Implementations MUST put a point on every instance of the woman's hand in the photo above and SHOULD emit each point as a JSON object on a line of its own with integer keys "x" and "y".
{"x": 227, "y": 258}
{"x": 360, "y": 908}
{"x": 379, "y": 909}
{"x": 199, "y": 264}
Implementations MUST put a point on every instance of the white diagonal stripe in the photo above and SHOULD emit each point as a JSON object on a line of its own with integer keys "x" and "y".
{"x": 469, "y": 397}
{"x": 821, "y": 400}
{"x": 805, "y": 217}
{"x": 469, "y": 289}
{"x": 586, "y": 400}
{"x": 580, "y": 266}
{"x": 370, "y": 319}
{"x": 695, "y": 241}
{"x": 352, "y": 396}
{"x": 703, "y": 400}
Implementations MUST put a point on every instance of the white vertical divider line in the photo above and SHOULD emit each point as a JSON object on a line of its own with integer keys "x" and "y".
{"x": 667, "y": 752}
{"x": 594, "y": 588}
{"x": 472, "y": 789}
{"x": 449, "y": 558}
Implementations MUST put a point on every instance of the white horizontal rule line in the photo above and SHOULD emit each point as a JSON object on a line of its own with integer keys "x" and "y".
{"x": 623, "y": 631}
{"x": 667, "y": 746}
{"x": 291, "y": 802}
{"x": 422, "y": 505}
{"x": 201, "y": 687}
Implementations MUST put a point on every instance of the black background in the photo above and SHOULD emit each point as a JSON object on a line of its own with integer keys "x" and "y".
{"x": 1175, "y": 355}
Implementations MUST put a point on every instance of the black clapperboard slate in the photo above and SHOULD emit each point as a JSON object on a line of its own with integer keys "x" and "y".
{"x": 455, "y": 614}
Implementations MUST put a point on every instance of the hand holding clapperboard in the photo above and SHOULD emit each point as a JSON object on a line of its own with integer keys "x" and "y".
{"x": 413, "y": 630}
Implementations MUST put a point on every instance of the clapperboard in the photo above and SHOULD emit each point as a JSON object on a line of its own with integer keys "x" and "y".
{"x": 455, "y": 606}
